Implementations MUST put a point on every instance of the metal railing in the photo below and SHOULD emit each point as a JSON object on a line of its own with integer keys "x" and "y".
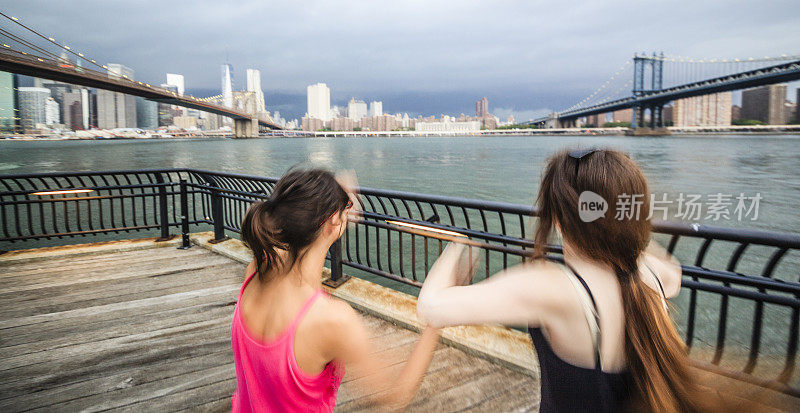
{"x": 740, "y": 316}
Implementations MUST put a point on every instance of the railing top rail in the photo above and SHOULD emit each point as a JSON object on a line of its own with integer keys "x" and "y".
{"x": 750, "y": 236}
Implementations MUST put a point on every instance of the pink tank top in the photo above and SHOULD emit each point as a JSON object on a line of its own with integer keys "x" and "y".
{"x": 268, "y": 378}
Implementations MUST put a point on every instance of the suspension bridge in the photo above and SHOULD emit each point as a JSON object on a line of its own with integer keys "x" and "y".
{"x": 646, "y": 84}
{"x": 26, "y": 51}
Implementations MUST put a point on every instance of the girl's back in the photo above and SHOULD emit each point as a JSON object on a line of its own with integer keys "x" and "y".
{"x": 269, "y": 377}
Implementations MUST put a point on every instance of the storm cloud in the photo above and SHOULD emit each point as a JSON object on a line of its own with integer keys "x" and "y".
{"x": 422, "y": 57}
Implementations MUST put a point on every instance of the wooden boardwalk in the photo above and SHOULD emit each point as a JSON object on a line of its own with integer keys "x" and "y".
{"x": 150, "y": 330}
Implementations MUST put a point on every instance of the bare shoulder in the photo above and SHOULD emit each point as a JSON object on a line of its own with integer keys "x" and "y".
{"x": 330, "y": 314}
{"x": 541, "y": 280}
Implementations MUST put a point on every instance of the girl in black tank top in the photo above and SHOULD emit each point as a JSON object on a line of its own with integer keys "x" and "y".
{"x": 657, "y": 374}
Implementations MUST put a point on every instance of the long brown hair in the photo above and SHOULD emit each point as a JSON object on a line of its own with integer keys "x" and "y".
{"x": 657, "y": 357}
{"x": 291, "y": 218}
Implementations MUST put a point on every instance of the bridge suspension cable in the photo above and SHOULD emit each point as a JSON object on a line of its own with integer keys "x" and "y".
{"x": 607, "y": 85}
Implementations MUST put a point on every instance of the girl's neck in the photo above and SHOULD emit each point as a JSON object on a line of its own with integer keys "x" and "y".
{"x": 306, "y": 272}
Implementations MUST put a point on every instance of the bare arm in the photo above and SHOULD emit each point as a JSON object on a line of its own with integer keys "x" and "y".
{"x": 351, "y": 345}
{"x": 515, "y": 296}
{"x": 665, "y": 266}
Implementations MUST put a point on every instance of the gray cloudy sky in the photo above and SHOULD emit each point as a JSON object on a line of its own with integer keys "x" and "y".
{"x": 424, "y": 57}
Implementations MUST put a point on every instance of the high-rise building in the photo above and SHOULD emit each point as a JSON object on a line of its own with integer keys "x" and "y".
{"x": 375, "y": 108}
{"x": 482, "y": 107}
{"x": 118, "y": 109}
{"x": 146, "y": 114}
{"x": 177, "y": 81}
{"x": 227, "y": 85}
{"x": 319, "y": 102}
{"x": 356, "y": 109}
{"x": 52, "y": 112}
{"x": 72, "y": 110}
{"x": 32, "y": 106}
{"x": 765, "y": 103}
{"x": 9, "y": 107}
{"x": 57, "y": 92}
{"x": 706, "y": 110}
{"x": 254, "y": 85}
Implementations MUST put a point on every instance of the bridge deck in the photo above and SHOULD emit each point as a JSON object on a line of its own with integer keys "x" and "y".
{"x": 149, "y": 330}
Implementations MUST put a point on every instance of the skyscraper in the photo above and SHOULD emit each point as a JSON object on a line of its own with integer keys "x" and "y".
{"x": 356, "y": 109}
{"x": 375, "y": 108}
{"x": 227, "y": 85}
{"x": 72, "y": 110}
{"x": 482, "y": 107}
{"x": 52, "y": 112}
{"x": 765, "y": 103}
{"x": 319, "y": 101}
{"x": 254, "y": 85}
{"x": 146, "y": 114}
{"x": 32, "y": 106}
{"x": 177, "y": 81}
{"x": 122, "y": 107}
{"x": 9, "y": 108}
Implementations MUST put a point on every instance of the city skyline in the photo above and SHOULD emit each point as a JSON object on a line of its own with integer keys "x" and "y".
{"x": 535, "y": 75}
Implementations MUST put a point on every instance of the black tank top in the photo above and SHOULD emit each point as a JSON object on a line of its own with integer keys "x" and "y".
{"x": 569, "y": 388}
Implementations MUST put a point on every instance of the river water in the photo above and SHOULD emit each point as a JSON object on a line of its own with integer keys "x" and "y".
{"x": 496, "y": 168}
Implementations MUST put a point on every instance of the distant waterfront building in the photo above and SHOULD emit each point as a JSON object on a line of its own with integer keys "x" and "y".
{"x": 52, "y": 112}
{"x": 319, "y": 102}
{"x": 706, "y": 110}
{"x": 375, "y": 108}
{"x": 119, "y": 109}
{"x": 341, "y": 124}
{"x": 174, "y": 79}
{"x": 312, "y": 124}
{"x": 765, "y": 103}
{"x": 32, "y": 106}
{"x": 9, "y": 102}
{"x": 624, "y": 115}
{"x": 736, "y": 112}
{"x": 72, "y": 110}
{"x": 380, "y": 123}
{"x": 227, "y": 85}
{"x": 254, "y": 85}
{"x": 146, "y": 114}
{"x": 482, "y": 107}
{"x": 185, "y": 122}
{"x": 356, "y": 109}
{"x": 448, "y": 126}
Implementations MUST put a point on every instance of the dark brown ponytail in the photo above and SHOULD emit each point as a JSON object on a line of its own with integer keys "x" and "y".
{"x": 279, "y": 229}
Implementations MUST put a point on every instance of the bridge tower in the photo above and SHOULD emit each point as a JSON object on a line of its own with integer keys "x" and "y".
{"x": 641, "y": 63}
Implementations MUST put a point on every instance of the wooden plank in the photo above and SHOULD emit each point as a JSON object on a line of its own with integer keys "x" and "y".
{"x": 128, "y": 305}
{"x": 121, "y": 291}
{"x": 520, "y": 397}
{"x": 137, "y": 394}
{"x": 139, "y": 325}
{"x": 217, "y": 406}
{"x": 125, "y": 378}
{"x": 146, "y": 271}
{"x": 189, "y": 399}
{"x": 104, "y": 287}
{"x": 63, "y": 266}
{"x": 99, "y": 347}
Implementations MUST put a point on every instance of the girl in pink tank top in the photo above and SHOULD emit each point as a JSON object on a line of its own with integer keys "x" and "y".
{"x": 289, "y": 235}
{"x": 267, "y": 375}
